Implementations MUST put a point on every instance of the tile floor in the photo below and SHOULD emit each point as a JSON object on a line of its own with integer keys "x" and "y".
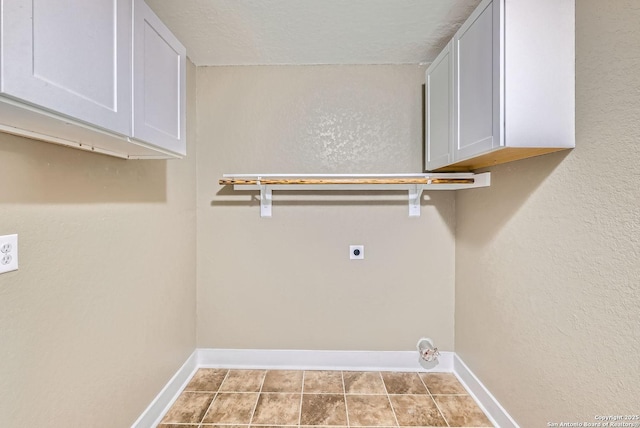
{"x": 279, "y": 398}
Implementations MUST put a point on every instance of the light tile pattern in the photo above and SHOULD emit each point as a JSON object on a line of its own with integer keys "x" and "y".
{"x": 330, "y": 399}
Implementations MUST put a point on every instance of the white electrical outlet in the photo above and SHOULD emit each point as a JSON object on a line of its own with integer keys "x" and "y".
{"x": 356, "y": 252}
{"x": 8, "y": 253}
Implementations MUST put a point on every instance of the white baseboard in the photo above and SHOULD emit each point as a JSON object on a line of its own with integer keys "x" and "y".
{"x": 163, "y": 401}
{"x": 491, "y": 407}
{"x": 398, "y": 361}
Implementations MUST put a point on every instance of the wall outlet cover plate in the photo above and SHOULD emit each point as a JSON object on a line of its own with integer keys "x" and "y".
{"x": 356, "y": 252}
{"x": 8, "y": 253}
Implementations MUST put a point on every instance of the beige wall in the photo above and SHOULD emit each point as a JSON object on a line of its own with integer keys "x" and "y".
{"x": 547, "y": 260}
{"x": 100, "y": 314}
{"x": 287, "y": 281}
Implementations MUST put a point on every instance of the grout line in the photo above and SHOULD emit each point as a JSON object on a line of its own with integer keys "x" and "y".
{"x": 435, "y": 395}
{"x": 265, "y": 425}
{"x": 177, "y": 424}
{"x": 301, "y": 397}
{"x": 229, "y": 424}
{"x": 389, "y": 399}
{"x": 344, "y": 393}
{"x": 312, "y": 393}
{"x": 381, "y": 394}
{"x": 453, "y": 395}
{"x": 180, "y": 424}
{"x": 434, "y": 401}
{"x": 255, "y": 406}
{"x": 204, "y": 415}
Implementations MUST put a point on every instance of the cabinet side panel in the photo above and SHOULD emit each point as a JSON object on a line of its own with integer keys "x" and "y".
{"x": 540, "y": 73}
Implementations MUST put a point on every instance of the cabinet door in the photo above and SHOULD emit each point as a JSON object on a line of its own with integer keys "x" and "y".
{"x": 477, "y": 82}
{"x": 159, "y": 83}
{"x": 71, "y": 57}
{"x": 439, "y": 110}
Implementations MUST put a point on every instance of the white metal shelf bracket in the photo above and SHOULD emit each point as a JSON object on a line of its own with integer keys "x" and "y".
{"x": 415, "y": 194}
{"x": 266, "y": 198}
{"x": 413, "y": 184}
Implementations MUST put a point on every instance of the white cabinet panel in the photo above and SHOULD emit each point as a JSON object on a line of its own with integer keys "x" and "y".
{"x": 477, "y": 84}
{"x": 513, "y": 86}
{"x": 70, "y": 56}
{"x": 159, "y": 83}
{"x": 539, "y": 88}
{"x": 439, "y": 93}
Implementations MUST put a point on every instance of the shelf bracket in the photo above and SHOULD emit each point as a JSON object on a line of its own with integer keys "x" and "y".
{"x": 266, "y": 199}
{"x": 415, "y": 194}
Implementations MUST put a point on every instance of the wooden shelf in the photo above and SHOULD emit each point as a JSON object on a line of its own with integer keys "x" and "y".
{"x": 333, "y": 181}
{"x": 414, "y": 184}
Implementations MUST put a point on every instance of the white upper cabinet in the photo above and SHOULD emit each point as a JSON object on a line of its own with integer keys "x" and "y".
{"x": 439, "y": 96}
{"x": 159, "y": 97}
{"x": 513, "y": 91}
{"x": 99, "y": 75}
{"x": 71, "y": 57}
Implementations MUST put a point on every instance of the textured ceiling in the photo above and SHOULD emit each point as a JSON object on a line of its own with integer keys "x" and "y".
{"x": 249, "y": 32}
